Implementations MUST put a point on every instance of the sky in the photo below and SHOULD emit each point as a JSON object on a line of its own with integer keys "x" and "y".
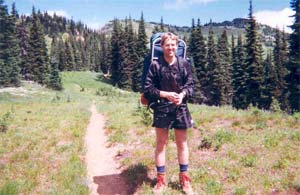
{"x": 96, "y": 13}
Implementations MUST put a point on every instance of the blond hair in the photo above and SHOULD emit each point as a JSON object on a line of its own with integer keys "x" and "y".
{"x": 168, "y": 35}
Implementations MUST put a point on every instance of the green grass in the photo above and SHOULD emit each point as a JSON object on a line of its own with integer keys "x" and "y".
{"x": 231, "y": 151}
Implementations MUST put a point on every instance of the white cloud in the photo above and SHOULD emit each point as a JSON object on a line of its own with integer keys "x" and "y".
{"x": 179, "y": 4}
{"x": 277, "y": 19}
{"x": 58, "y": 13}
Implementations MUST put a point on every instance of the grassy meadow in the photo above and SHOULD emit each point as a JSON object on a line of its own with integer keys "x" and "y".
{"x": 231, "y": 151}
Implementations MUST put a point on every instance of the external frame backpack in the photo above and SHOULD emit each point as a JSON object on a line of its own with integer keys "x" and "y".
{"x": 155, "y": 53}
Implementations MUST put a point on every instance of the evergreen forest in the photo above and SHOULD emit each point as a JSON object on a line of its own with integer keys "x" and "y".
{"x": 228, "y": 69}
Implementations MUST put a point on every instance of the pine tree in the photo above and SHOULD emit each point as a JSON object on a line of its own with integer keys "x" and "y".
{"x": 4, "y": 68}
{"x": 293, "y": 65}
{"x": 133, "y": 58}
{"x": 97, "y": 51}
{"x": 253, "y": 62}
{"x": 162, "y": 25}
{"x": 225, "y": 65}
{"x": 23, "y": 37}
{"x": 214, "y": 73}
{"x": 85, "y": 50}
{"x": 14, "y": 11}
{"x": 9, "y": 48}
{"x": 105, "y": 57}
{"x": 239, "y": 76}
{"x": 270, "y": 79}
{"x": 125, "y": 68}
{"x": 14, "y": 48}
{"x": 62, "y": 55}
{"x": 115, "y": 52}
{"x": 191, "y": 43}
{"x": 197, "y": 52}
{"x": 198, "y": 97}
{"x": 91, "y": 52}
{"x": 70, "y": 62}
{"x": 40, "y": 68}
{"x": 76, "y": 53}
{"x": 142, "y": 51}
{"x": 54, "y": 80}
{"x": 155, "y": 30}
{"x": 283, "y": 72}
{"x": 280, "y": 60}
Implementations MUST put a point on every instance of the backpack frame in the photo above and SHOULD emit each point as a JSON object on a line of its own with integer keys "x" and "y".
{"x": 155, "y": 52}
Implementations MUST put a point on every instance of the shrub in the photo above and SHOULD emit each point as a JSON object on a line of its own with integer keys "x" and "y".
{"x": 10, "y": 188}
{"x": 4, "y": 121}
{"x": 248, "y": 160}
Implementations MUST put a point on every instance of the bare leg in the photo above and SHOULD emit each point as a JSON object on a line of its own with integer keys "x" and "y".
{"x": 182, "y": 146}
{"x": 162, "y": 136}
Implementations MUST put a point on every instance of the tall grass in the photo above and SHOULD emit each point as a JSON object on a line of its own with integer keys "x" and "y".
{"x": 231, "y": 151}
{"x": 41, "y": 145}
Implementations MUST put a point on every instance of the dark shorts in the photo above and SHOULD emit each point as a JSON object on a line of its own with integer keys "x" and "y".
{"x": 169, "y": 116}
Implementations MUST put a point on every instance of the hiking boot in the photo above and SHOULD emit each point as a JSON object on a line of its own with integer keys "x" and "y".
{"x": 185, "y": 182}
{"x": 160, "y": 185}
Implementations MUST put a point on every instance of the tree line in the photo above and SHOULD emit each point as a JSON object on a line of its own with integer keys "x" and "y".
{"x": 240, "y": 73}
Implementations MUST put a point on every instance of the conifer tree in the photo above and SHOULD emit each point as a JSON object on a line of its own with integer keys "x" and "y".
{"x": 133, "y": 58}
{"x": 62, "y": 55}
{"x": 125, "y": 68}
{"x": 239, "y": 76}
{"x": 293, "y": 65}
{"x": 225, "y": 65}
{"x": 13, "y": 47}
{"x": 283, "y": 72}
{"x": 115, "y": 52}
{"x": 198, "y": 97}
{"x": 191, "y": 43}
{"x": 214, "y": 73}
{"x": 142, "y": 51}
{"x": 105, "y": 58}
{"x": 76, "y": 53}
{"x": 86, "y": 54}
{"x": 97, "y": 51}
{"x": 155, "y": 30}
{"x": 197, "y": 52}
{"x": 9, "y": 48}
{"x": 40, "y": 68}
{"x": 270, "y": 78}
{"x": 54, "y": 80}
{"x": 23, "y": 37}
{"x": 4, "y": 67}
{"x": 90, "y": 52}
{"x": 280, "y": 60}
{"x": 70, "y": 62}
{"x": 162, "y": 25}
{"x": 253, "y": 62}
{"x": 14, "y": 11}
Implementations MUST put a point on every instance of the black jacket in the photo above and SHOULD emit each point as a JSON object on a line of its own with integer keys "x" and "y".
{"x": 175, "y": 78}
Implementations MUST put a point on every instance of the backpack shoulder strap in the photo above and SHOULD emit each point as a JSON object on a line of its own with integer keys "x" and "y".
{"x": 181, "y": 64}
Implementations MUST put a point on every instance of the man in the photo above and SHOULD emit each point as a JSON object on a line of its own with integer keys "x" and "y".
{"x": 170, "y": 82}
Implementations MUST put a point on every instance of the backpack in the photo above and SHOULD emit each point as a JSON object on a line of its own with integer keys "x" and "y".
{"x": 155, "y": 53}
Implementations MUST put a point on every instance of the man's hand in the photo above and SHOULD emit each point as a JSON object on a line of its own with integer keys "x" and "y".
{"x": 179, "y": 98}
{"x": 173, "y": 97}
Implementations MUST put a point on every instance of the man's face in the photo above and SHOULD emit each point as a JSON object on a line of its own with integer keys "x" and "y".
{"x": 169, "y": 48}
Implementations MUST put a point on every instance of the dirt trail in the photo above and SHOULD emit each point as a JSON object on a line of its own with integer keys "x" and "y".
{"x": 104, "y": 177}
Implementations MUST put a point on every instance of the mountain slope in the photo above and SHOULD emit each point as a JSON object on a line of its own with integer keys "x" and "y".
{"x": 235, "y": 27}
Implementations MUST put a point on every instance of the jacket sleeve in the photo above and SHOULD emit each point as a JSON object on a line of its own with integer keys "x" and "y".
{"x": 188, "y": 81}
{"x": 151, "y": 90}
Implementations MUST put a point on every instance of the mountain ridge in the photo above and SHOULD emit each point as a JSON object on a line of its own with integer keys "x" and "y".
{"x": 236, "y": 26}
